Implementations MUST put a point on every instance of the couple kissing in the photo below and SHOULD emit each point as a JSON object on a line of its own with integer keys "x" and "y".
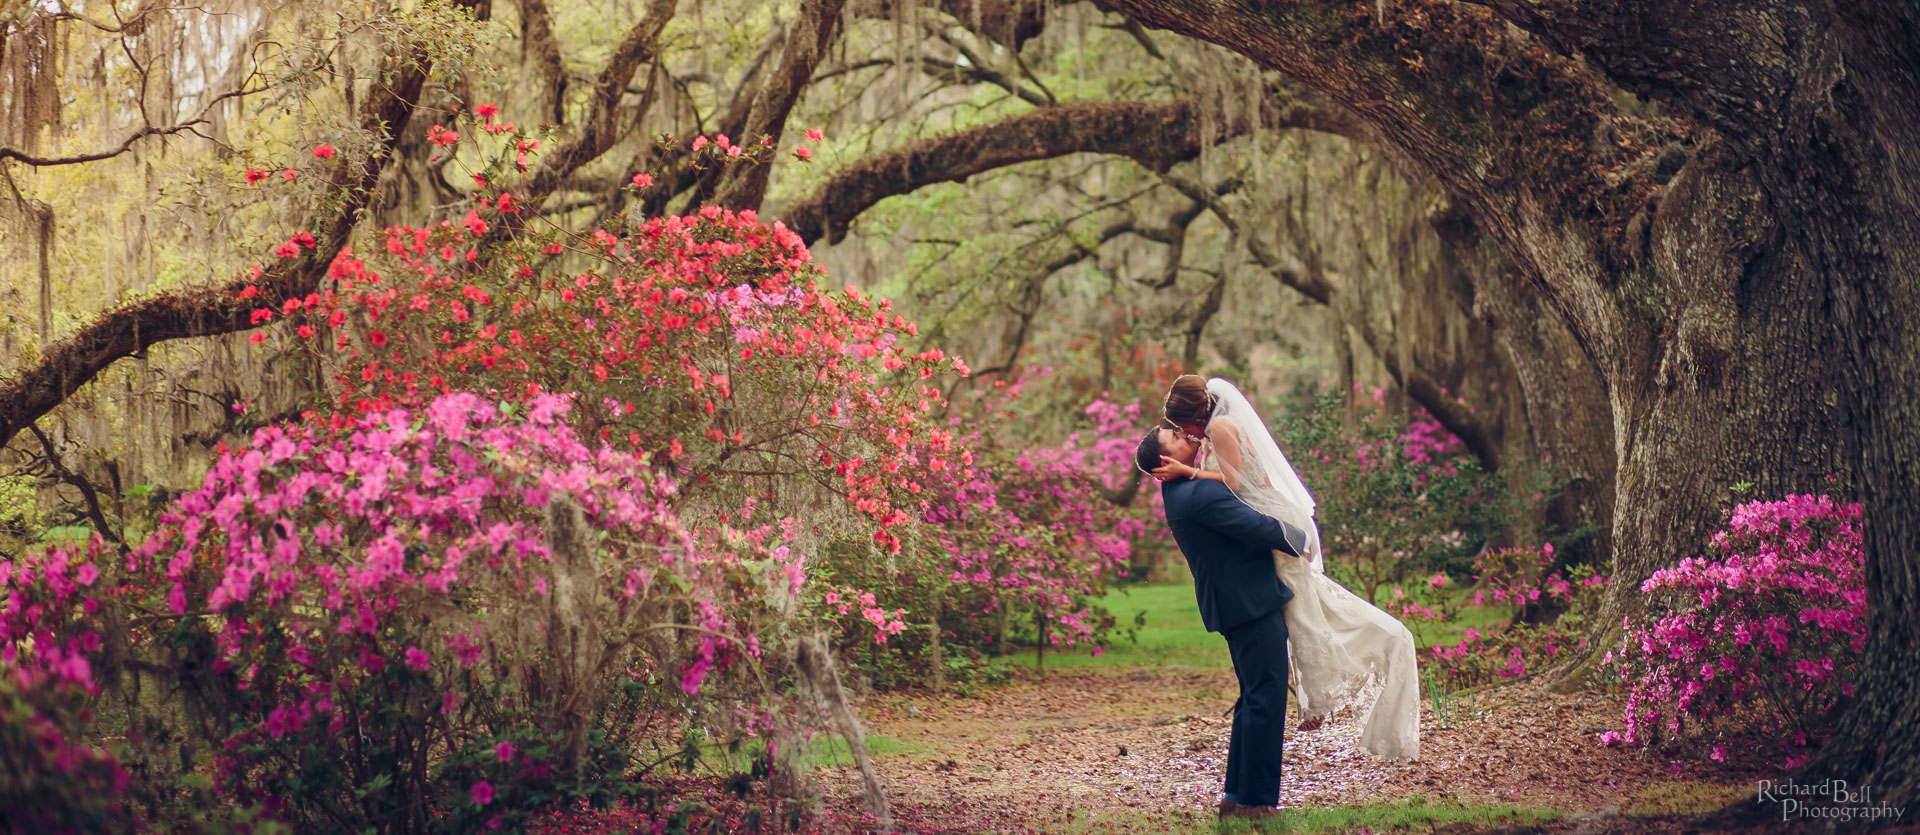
{"x": 1245, "y": 524}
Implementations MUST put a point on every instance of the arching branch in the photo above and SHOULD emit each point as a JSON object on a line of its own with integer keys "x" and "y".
{"x": 7, "y": 153}
{"x": 188, "y": 126}
{"x": 1155, "y": 135}
{"x": 67, "y": 365}
{"x": 1307, "y": 277}
{"x": 598, "y": 129}
{"x": 1533, "y": 143}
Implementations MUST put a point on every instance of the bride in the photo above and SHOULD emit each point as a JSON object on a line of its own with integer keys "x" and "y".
{"x": 1345, "y": 652}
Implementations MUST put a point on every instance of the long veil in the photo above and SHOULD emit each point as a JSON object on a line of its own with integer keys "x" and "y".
{"x": 1346, "y": 651}
{"x": 1257, "y": 444}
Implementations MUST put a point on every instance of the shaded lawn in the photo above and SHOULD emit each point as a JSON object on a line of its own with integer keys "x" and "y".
{"x": 1408, "y": 814}
{"x": 1172, "y": 635}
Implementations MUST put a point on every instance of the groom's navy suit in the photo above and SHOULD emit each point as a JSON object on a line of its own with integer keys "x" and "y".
{"x": 1229, "y": 547}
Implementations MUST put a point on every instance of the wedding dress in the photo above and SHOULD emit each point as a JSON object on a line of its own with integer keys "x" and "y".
{"x": 1345, "y": 652}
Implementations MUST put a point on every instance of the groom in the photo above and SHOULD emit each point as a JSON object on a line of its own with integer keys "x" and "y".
{"x": 1229, "y": 548}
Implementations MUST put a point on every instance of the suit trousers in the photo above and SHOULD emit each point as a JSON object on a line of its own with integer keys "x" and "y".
{"x": 1259, "y": 650}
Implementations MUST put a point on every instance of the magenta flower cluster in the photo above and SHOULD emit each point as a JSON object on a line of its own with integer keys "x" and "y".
{"x": 345, "y": 590}
{"x": 49, "y": 643}
{"x": 1032, "y": 526}
{"x": 1756, "y": 645}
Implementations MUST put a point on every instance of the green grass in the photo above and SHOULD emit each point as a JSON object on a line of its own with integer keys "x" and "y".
{"x": 1173, "y": 634}
{"x": 1482, "y": 618}
{"x": 1411, "y": 814}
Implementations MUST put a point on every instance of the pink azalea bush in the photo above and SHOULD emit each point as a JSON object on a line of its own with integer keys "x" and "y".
{"x": 563, "y": 501}
{"x": 1397, "y": 494}
{"x": 1019, "y": 544}
{"x": 1517, "y": 577}
{"x": 365, "y": 623}
{"x": 571, "y": 518}
{"x": 1034, "y": 528}
{"x": 1756, "y": 645}
{"x": 55, "y": 776}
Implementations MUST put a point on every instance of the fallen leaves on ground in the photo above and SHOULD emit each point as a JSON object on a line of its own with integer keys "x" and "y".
{"x": 1147, "y": 751}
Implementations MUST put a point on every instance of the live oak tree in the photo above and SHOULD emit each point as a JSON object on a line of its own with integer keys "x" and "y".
{"x": 1740, "y": 262}
{"x": 1711, "y": 208}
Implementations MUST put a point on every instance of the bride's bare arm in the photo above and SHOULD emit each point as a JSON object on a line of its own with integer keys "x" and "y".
{"x": 1226, "y": 444}
{"x": 1170, "y": 468}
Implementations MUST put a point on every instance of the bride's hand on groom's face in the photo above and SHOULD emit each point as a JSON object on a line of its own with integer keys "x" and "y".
{"x": 1170, "y": 468}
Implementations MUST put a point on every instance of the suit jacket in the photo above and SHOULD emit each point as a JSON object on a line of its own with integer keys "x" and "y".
{"x": 1229, "y": 547}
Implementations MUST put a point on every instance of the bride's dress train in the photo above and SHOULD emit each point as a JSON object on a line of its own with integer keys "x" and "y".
{"x": 1349, "y": 654}
{"x": 1345, "y": 652}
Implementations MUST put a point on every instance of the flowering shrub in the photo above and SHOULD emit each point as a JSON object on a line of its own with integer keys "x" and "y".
{"x": 1756, "y": 644}
{"x": 706, "y": 339}
{"x": 1022, "y": 540}
{"x": 1033, "y": 529}
{"x": 560, "y": 499}
{"x": 54, "y": 777}
{"x": 1394, "y": 497}
{"x": 421, "y": 615}
{"x": 1517, "y": 577}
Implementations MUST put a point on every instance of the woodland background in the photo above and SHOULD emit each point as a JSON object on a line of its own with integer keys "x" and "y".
{"x": 1546, "y": 291}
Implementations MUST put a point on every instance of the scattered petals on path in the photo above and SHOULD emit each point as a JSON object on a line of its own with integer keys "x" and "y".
{"x": 1038, "y": 754}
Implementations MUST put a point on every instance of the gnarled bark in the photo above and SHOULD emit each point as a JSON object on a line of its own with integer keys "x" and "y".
{"x": 538, "y": 41}
{"x": 1698, "y": 357}
{"x": 746, "y": 185}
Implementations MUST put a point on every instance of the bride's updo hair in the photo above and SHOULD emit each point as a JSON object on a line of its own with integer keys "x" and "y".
{"x": 1188, "y": 403}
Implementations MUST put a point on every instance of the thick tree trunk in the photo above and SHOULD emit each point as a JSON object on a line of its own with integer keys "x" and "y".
{"x": 1815, "y": 100}
{"x": 1787, "y": 251}
{"x": 1705, "y": 331}
{"x": 1733, "y": 386}
{"x": 1563, "y": 398}
{"x": 1844, "y": 182}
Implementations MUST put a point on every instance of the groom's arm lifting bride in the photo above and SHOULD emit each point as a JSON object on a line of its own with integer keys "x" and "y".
{"x": 1229, "y": 549}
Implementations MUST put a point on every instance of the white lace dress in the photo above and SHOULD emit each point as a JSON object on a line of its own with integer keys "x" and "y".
{"x": 1345, "y": 652}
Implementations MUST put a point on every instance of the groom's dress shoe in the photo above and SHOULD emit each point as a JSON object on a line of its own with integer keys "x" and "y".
{"x": 1250, "y": 812}
{"x": 1228, "y": 808}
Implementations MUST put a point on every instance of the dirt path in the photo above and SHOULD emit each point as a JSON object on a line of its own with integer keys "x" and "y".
{"x": 1145, "y": 752}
